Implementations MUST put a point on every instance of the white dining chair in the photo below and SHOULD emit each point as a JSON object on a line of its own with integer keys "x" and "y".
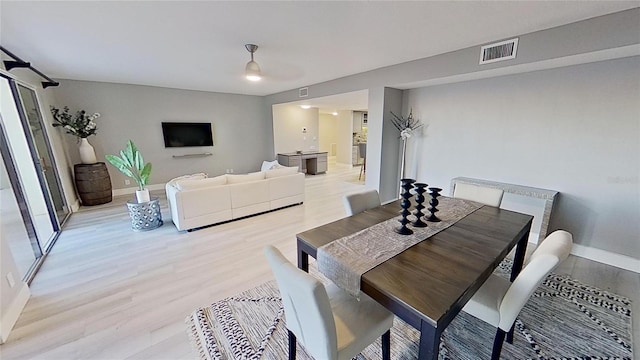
{"x": 329, "y": 323}
{"x": 481, "y": 194}
{"x": 498, "y": 302}
{"x": 361, "y": 201}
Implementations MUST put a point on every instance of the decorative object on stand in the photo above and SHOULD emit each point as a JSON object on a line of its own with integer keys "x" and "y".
{"x": 435, "y": 192}
{"x": 131, "y": 163}
{"x": 406, "y": 127}
{"x": 420, "y": 190}
{"x": 406, "y": 186}
{"x": 80, "y": 125}
{"x": 146, "y": 215}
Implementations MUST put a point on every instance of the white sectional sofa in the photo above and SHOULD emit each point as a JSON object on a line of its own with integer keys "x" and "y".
{"x": 197, "y": 200}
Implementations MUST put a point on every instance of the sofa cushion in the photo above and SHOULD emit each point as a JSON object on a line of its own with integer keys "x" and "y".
{"x": 190, "y": 184}
{"x": 237, "y": 179}
{"x": 268, "y": 165}
{"x": 283, "y": 171}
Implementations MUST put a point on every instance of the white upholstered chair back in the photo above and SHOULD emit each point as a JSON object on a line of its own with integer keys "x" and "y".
{"x": 554, "y": 249}
{"x": 498, "y": 302}
{"x": 481, "y": 194}
{"x": 361, "y": 201}
{"x": 306, "y": 306}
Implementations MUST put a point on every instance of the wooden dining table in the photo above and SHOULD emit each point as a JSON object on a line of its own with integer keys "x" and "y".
{"x": 429, "y": 283}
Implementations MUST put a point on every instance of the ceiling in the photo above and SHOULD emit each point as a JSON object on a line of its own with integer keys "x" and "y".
{"x": 199, "y": 45}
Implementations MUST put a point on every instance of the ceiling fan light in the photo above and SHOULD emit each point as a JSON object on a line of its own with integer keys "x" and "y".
{"x": 252, "y": 71}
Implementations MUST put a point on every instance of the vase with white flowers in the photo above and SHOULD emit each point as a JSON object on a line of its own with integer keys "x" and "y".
{"x": 82, "y": 125}
{"x": 131, "y": 164}
{"x": 406, "y": 127}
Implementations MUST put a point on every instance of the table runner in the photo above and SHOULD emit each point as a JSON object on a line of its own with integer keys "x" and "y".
{"x": 344, "y": 260}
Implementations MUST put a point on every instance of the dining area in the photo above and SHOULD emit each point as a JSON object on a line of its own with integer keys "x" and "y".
{"x": 427, "y": 283}
{"x": 460, "y": 285}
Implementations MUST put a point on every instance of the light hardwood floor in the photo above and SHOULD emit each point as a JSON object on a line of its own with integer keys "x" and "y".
{"x": 106, "y": 292}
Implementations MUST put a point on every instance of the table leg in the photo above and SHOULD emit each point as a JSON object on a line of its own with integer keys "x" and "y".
{"x": 518, "y": 260}
{"x": 303, "y": 260}
{"x": 429, "y": 342}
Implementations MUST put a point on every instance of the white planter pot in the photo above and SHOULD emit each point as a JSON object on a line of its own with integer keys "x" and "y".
{"x": 87, "y": 154}
{"x": 142, "y": 196}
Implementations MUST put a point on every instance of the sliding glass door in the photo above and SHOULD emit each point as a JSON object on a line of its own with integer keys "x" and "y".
{"x": 44, "y": 158}
{"x": 32, "y": 199}
{"x": 16, "y": 226}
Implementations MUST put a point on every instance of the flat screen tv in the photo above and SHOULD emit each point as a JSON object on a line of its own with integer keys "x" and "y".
{"x": 182, "y": 134}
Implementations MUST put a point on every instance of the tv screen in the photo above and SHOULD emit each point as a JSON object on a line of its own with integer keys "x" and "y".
{"x": 181, "y": 134}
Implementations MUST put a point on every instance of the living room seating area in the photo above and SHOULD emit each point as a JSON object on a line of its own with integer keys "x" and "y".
{"x": 197, "y": 200}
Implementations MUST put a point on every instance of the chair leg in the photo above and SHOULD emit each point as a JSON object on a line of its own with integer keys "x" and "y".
{"x": 386, "y": 345}
{"x": 497, "y": 344}
{"x": 292, "y": 346}
{"x": 363, "y": 168}
{"x": 510, "y": 334}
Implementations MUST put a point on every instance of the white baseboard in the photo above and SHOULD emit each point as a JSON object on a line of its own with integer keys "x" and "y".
{"x": 132, "y": 190}
{"x": 10, "y": 318}
{"x": 607, "y": 257}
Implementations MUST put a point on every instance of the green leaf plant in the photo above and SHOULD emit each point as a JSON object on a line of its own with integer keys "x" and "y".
{"x": 131, "y": 164}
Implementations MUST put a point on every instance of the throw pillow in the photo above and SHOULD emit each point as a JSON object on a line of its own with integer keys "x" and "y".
{"x": 267, "y": 165}
{"x": 283, "y": 171}
{"x": 236, "y": 179}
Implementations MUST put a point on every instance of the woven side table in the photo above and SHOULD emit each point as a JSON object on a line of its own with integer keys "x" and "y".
{"x": 145, "y": 216}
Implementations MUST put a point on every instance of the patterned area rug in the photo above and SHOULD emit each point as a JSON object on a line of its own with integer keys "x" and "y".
{"x": 564, "y": 319}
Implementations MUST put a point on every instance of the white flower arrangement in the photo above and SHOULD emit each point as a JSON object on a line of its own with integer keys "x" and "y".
{"x": 80, "y": 124}
{"x": 405, "y": 126}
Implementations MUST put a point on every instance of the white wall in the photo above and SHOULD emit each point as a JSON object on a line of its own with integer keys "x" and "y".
{"x": 574, "y": 129}
{"x": 383, "y": 141}
{"x": 345, "y": 136}
{"x": 242, "y": 132}
{"x": 288, "y": 121}
{"x": 327, "y": 131}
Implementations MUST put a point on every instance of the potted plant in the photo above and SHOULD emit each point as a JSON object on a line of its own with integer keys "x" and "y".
{"x": 81, "y": 125}
{"x": 131, "y": 164}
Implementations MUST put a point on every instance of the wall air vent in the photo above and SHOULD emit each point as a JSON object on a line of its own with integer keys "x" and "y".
{"x": 303, "y": 92}
{"x": 499, "y": 51}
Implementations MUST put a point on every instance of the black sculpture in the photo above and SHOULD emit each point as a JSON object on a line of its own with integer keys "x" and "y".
{"x": 406, "y": 186}
{"x": 435, "y": 192}
{"x": 420, "y": 190}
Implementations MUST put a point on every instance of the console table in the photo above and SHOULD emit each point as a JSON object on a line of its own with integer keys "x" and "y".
{"x": 312, "y": 162}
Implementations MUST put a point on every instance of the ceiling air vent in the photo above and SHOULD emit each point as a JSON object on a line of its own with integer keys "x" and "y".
{"x": 303, "y": 92}
{"x": 499, "y": 51}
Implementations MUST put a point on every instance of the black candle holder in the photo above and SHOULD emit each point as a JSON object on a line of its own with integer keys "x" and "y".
{"x": 406, "y": 185}
{"x": 435, "y": 192}
{"x": 420, "y": 190}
